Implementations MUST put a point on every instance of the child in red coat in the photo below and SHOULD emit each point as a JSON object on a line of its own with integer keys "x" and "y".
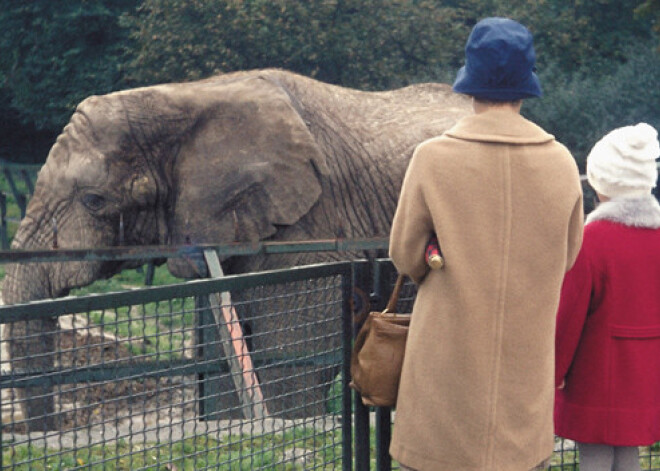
{"x": 608, "y": 324}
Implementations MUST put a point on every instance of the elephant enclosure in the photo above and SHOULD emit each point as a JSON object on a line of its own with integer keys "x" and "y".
{"x": 148, "y": 369}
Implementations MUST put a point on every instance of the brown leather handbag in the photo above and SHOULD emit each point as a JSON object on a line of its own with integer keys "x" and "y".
{"x": 378, "y": 354}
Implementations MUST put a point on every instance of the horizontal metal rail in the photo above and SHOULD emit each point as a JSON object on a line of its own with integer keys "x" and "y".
{"x": 149, "y": 369}
{"x": 150, "y": 252}
{"x": 56, "y": 307}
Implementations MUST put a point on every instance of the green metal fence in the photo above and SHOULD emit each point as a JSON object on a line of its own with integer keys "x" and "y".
{"x": 186, "y": 377}
{"x": 141, "y": 380}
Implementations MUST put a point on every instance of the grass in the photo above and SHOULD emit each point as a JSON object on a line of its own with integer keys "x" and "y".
{"x": 128, "y": 279}
{"x": 162, "y": 331}
{"x": 161, "y": 327}
{"x": 270, "y": 452}
{"x": 321, "y": 450}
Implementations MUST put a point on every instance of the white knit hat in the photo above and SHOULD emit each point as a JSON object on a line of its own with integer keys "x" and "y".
{"x": 623, "y": 162}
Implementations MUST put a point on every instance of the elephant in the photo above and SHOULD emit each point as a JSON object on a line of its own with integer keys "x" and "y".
{"x": 244, "y": 156}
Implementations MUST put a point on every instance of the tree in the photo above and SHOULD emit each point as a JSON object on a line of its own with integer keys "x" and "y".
{"x": 360, "y": 43}
{"x": 579, "y": 33}
{"x": 54, "y": 54}
{"x": 580, "y": 108}
{"x": 650, "y": 9}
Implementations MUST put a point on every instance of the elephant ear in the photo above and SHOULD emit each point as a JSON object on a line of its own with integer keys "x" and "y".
{"x": 249, "y": 165}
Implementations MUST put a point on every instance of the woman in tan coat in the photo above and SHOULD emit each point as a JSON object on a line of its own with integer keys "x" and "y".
{"x": 505, "y": 201}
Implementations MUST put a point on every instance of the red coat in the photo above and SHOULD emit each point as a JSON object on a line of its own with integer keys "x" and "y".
{"x": 608, "y": 330}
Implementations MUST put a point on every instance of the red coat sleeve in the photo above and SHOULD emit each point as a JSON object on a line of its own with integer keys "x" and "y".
{"x": 572, "y": 314}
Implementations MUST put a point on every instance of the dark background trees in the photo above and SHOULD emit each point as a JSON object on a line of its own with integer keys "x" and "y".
{"x": 52, "y": 55}
{"x": 597, "y": 59}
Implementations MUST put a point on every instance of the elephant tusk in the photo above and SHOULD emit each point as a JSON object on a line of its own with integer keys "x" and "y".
{"x": 121, "y": 229}
{"x": 236, "y": 227}
{"x": 54, "y": 232}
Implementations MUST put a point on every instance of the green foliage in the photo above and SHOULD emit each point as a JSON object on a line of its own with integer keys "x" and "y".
{"x": 650, "y": 10}
{"x": 13, "y": 212}
{"x": 54, "y": 54}
{"x": 583, "y": 33}
{"x": 360, "y": 43}
{"x": 580, "y": 108}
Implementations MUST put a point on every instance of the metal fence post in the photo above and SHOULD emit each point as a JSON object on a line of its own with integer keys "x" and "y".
{"x": 21, "y": 200}
{"x": 149, "y": 274}
{"x": 209, "y": 352}
{"x": 4, "y": 236}
{"x": 27, "y": 178}
{"x": 383, "y": 275}
{"x": 347, "y": 343}
{"x": 362, "y": 284}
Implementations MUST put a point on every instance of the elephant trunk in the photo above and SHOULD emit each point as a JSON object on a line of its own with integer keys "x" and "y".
{"x": 31, "y": 344}
{"x": 26, "y": 282}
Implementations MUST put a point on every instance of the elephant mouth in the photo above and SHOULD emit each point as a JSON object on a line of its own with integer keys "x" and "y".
{"x": 191, "y": 265}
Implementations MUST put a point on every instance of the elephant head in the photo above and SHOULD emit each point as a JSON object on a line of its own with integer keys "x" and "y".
{"x": 167, "y": 165}
{"x": 241, "y": 157}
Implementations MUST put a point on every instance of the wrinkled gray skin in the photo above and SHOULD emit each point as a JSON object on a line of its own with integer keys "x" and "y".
{"x": 245, "y": 156}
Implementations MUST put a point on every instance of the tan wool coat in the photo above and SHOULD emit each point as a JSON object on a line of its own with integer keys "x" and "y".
{"x": 477, "y": 384}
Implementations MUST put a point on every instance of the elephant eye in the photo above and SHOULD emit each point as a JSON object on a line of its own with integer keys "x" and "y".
{"x": 93, "y": 202}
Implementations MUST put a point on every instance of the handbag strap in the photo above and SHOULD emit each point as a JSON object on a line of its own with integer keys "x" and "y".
{"x": 394, "y": 297}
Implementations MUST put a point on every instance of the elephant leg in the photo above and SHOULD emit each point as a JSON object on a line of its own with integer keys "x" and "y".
{"x": 297, "y": 391}
{"x": 295, "y": 336}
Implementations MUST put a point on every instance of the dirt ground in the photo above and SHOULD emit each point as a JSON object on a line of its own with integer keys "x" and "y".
{"x": 150, "y": 400}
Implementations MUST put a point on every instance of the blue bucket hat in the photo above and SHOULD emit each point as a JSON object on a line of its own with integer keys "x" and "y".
{"x": 499, "y": 62}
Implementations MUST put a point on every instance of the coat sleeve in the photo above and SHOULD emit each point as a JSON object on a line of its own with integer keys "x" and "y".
{"x": 572, "y": 314}
{"x": 575, "y": 232}
{"x": 412, "y": 226}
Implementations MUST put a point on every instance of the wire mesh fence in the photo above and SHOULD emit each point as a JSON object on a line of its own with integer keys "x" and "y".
{"x": 567, "y": 458}
{"x": 145, "y": 379}
{"x": 184, "y": 377}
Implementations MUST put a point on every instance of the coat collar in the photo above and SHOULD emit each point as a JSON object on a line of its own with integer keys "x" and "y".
{"x": 499, "y": 126}
{"x": 636, "y": 212}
